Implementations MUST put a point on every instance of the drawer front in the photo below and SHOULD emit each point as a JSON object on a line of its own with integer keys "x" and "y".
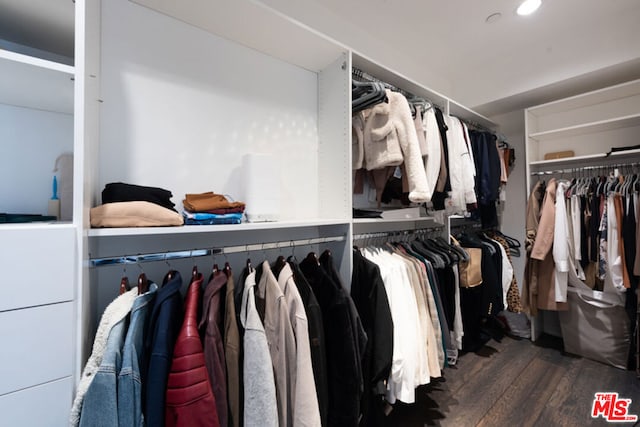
{"x": 38, "y": 265}
{"x": 37, "y": 346}
{"x": 43, "y": 405}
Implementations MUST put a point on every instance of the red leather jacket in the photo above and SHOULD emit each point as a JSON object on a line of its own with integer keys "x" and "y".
{"x": 190, "y": 401}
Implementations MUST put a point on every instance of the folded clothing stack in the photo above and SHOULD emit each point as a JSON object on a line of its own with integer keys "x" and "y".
{"x": 128, "y": 205}
{"x": 210, "y": 208}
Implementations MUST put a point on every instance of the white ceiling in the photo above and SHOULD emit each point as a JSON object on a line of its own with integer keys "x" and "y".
{"x": 566, "y": 47}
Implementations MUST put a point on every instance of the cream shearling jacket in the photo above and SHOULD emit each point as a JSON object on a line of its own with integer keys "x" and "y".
{"x": 390, "y": 138}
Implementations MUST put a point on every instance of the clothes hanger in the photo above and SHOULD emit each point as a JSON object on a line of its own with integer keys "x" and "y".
{"x": 124, "y": 282}
{"x": 143, "y": 282}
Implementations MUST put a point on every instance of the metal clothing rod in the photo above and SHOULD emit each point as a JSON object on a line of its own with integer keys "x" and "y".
{"x": 402, "y": 234}
{"x": 363, "y": 76}
{"x": 166, "y": 256}
{"x": 586, "y": 168}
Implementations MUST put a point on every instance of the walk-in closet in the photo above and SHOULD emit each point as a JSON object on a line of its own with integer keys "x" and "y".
{"x": 319, "y": 213}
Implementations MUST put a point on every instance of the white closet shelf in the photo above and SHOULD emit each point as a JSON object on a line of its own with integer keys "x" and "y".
{"x": 187, "y": 229}
{"x": 590, "y": 98}
{"x": 573, "y": 159}
{"x": 587, "y": 128}
{"x": 256, "y": 26}
{"x": 37, "y": 225}
{"x": 36, "y": 83}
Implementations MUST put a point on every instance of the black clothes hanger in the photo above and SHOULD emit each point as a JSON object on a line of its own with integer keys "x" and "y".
{"x": 278, "y": 265}
{"x": 366, "y": 94}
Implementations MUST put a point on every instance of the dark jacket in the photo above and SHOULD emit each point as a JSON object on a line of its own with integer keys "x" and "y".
{"x": 316, "y": 339}
{"x": 345, "y": 342}
{"x": 211, "y": 326}
{"x": 190, "y": 400}
{"x": 370, "y": 298}
{"x": 164, "y": 325}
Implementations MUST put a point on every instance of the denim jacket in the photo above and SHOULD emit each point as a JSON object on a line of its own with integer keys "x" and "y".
{"x": 100, "y": 407}
{"x": 114, "y": 314}
{"x": 134, "y": 367}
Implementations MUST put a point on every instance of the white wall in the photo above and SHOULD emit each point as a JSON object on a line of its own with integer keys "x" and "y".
{"x": 514, "y": 210}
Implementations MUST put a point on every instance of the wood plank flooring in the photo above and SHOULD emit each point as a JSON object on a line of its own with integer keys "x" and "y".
{"x": 517, "y": 383}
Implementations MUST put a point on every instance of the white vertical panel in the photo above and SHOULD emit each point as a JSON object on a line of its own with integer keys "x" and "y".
{"x": 334, "y": 153}
{"x": 31, "y": 140}
{"x": 182, "y": 106}
{"x": 38, "y": 264}
{"x": 43, "y": 405}
{"x": 37, "y": 346}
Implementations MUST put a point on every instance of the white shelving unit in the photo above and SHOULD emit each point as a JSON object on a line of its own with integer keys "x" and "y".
{"x": 172, "y": 95}
{"x": 590, "y": 125}
{"x": 40, "y": 259}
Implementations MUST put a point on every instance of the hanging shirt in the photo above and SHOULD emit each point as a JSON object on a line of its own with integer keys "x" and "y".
{"x": 260, "y": 407}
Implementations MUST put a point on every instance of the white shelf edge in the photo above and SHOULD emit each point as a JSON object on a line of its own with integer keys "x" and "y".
{"x": 600, "y": 125}
{"x": 36, "y": 62}
{"x": 568, "y": 159}
{"x": 187, "y": 229}
{"x": 36, "y": 225}
{"x": 548, "y": 107}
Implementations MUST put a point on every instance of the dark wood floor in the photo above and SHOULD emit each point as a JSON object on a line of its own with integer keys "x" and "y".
{"x": 518, "y": 383}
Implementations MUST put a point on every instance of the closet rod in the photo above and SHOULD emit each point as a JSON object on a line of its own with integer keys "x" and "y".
{"x": 364, "y": 76}
{"x": 586, "y": 168}
{"x": 166, "y": 256}
{"x": 403, "y": 233}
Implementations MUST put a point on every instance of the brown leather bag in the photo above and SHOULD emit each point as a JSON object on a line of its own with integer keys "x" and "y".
{"x": 470, "y": 271}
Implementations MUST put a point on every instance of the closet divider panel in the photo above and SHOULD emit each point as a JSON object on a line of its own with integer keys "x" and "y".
{"x": 182, "y": 106}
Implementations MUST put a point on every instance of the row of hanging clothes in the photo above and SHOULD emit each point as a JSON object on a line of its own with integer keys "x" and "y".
{"x": 583, "y": 234}
{"x": 407, "y": 149}
{"x": 280, "y": 344}
{"x": 436, "y": 308}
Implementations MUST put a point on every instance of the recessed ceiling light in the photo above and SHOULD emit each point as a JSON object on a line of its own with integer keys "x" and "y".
{"x": 493, "y": 18}
{"x": 527, "y": 7}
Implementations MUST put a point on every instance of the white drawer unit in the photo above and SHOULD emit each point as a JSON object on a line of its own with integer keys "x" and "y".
{"x": 37, "y": 346}
{"x": 43, "y": 405}
{"x": 38, "y": 262}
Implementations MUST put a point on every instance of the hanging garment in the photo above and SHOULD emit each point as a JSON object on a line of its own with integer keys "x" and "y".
{"x": 404, "y": 312}
{"x": 232, "y": 346}
{"x": 561, "y": 243}
{"x": 316, "y": 338}
{"x": 164, "y": 326}
{"x": 282, "y": 345}
{"x": 433, "y": 151}
{"x": 443, "y": 185}
{"x": 190, "y": 400}
{"x": 344, "y": 345}
{"x": 306, "y": 411}
{"x": 260, "y": 405}
{"x": 461, "y": 168}
{"x": 114, "y": 314}
{"x": 133, "y": 372}
{"x": 370, "y": 298}
{"x": 545, "y": 272}
{"x": 211, "y": 326}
